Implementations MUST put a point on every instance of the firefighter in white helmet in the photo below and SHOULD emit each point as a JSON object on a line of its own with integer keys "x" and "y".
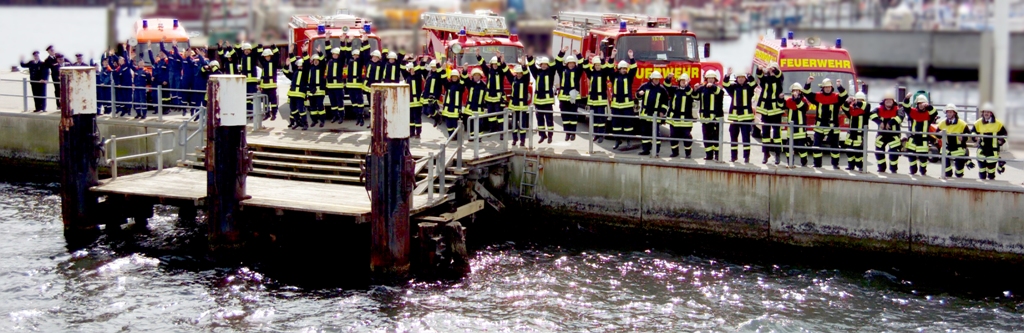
{"x": 856, "y": 113}
{"x": 543, "y": 70}
{"x": 393, "y": 67}
{"x": 653, "y": 105}
{"x": 769, "y": 105}
{"x": 888, "y": 117}
{"x": 297, "y": 95}
{"x": 680, "y": 114}
{"x": 335, "y": 70}
{"x": 956, "y": 145}
{"x": 355, "y": 81}
{"x": 433, "y": 94}
{"x": 993, "y": 135}
{"x": 921, "y": 117}
{"x": 622, "y": 99}
{"x": 475, "y": 103}
{"x": 741, "y": 113}
{"x": 494, "y": 100}
{"x": 710, "y": 93}
{"x": 415, "y": 75}
{"x": 454, "y": 90}
{"x": 598, "y": 72}
{"x": 519, "y": 102}
{"x": 317, "y": 90}
{"x": 569, "y": 91}
{"x": 828, "y": 103}
{"x": 796, "y": 106}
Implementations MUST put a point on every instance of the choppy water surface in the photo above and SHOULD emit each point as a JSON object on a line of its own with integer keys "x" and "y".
{"x": 514, "y": 287}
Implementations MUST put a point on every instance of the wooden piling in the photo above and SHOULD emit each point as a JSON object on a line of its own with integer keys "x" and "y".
{"x": 79, "y": 151}
{"x": 390, "y": 180}
{"x": 227, "y": 159}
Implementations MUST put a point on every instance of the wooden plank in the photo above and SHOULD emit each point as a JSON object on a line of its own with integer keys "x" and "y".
{"x": 303, "y": 175}
{"x": 322, "y": 159}
{"x": 171, "y": 183}
{"x": 464, "y": 210}
{"x": 306, "y": 166}
{"x": 331, "y": 199}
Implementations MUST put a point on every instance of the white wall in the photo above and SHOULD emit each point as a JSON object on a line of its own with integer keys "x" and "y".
{"x": 70, "y": 29}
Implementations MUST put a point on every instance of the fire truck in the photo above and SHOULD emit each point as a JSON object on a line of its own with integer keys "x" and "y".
{"x": 154, "y": 31}
{"x": 655, "y": 45}
{"x": 457, "y": 38}
{"x": 307, "y": 33}
{"x": 801, "y": 58}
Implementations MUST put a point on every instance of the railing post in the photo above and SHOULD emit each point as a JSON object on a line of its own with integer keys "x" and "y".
{"x": 159, "y": 151}
{"x": 113, "y": 99}
{"x": 654, "y": 133}
{"x": 430, "y": 176}
{"x": 593, "y": 136}
{"x": 24, "y": 92}
{"x": 257, "y": 111}
{"x": 529, "y": 125}
{"x": 721, "y": 137}
{"x": 792, "y": 150}
{"x": 113, "y": 157}
{"x": 504, "y": 129}
{"x": 864, "y": 147}
{"x": 476, "y": 134}
{"x": 942, "y": 147}
{"x": 159, "y": 103}
{"x": 440, "y": 172}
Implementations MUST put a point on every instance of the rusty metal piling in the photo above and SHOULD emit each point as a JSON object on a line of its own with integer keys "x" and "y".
{"x": 80, "y": 146}
{"x": 390, "y": 180}
{"x": 227, "y": 159}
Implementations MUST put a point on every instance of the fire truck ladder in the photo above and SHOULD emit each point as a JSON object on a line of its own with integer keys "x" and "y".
{"x": 592, "y": 19}
{"x": 475, "y": 24}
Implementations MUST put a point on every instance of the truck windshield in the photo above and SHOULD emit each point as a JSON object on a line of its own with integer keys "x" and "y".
{"x": 468, "y": 56}
{"x": 801, "y": 77}
{"x": 336, "y": 42}
{"x": 657, "y": 48}
{"x": 141, "y": 50}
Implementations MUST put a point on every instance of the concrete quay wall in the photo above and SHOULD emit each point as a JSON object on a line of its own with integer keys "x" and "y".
{"x": 33, "y": 138}
{"x": 795, "y": 207}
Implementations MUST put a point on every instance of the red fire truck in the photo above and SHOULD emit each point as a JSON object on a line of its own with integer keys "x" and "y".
{"x": 307, "y": 33}
{"x": 458, "y": 38}
{"x": 655, "y": 45}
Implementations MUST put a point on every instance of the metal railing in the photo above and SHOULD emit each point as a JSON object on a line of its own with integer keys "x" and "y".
{"x": 184, "y": 137}
{"x": 869, "y": 135}
{"x": 158, "y": 150}
{"x": 437, "y": 165}
{"x": 26, "y": 93}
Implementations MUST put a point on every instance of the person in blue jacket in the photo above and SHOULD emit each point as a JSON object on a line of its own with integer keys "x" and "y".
{"x": 193, "y": 66}
{"x": 139, "y": 81}
{"x": 176, "y": 62}
{"x": 161, "y": 74}
{"x": 123, "y": 79}
{"x": 103, "y": 86}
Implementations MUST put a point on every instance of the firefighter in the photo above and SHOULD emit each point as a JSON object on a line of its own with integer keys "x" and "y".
{"x": 921, "y": 117}
{"x": 248, "y": 61}
{"x": 335, "y": 70}
{"x": 828, "y": 102}
{"x": 519, "y": 102}
{"x": 598, "y": 73}
{"x": 203, "y": 78}
{"x": 889, "y": 117}
{"x": 139, "y": 81}
{"x": 193, "y": 66}
{"x": 797, "y": 105}
{"x": 374, "y": 74}
{"x": 741, "y": 113}
{"x": 544, "y": 101}
{"x": 653, "y": 103}
{"x": 175, "y": 62}
{"x": 355, "y": 80}
{"x": 161, "y": 73}
{"x": 414, "y": 74}
{"x": 622, "y": 98}
{"x": 770, "y": 106}
{"x": 317, "y": 90}
{"x": 956, "y": 146}
{"x": 269, "y": 65}
{"x": 680, "y": 115}
{"x": 710, "y": 94}
{"x": 569, "y": 90}
{"x": 856, "y": 113}
{"x": 454, "y": 90}
{"x": 228, "y": 62}
{"x": 37, "y": 72}
{"x": 433, "y": 86}
{"x": 475, "y": 103}
{"x": 392, "y": 68}
{"x": 297, "y": 95}
{"x": 993, "y": 135}
{"x": 496, "y": 70}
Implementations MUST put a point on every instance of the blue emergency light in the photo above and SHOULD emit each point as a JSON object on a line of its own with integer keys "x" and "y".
{"x": 685, "y": 26}
{"x": 320, "y": 29}
{"x": 783, "y": 41}
{"x": 366, "y": 28}
{"x": 175, "y": 23}
{"x": 839, "y": 43}
{"x": 790, "y": 34}
{"x": 622, "y": 26}
{"x": 462, "y": 32}
{"x": 145, "y": 24}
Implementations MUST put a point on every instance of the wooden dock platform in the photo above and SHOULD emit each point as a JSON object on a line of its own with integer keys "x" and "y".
{"x": 188, "y": 184}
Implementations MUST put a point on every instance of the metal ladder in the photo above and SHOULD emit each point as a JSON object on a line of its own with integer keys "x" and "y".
{"x": 528, "y": 179}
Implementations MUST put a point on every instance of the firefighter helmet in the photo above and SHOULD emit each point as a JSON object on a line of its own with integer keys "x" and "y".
{"x": 298, "y": 62}
{"x": 860, "y": 96}
{"x": 409, "y": 66}
{"x": 268, "y": 52}
{"x": 655, "y": 75}
{"x": 544, "y": 60}
{"x": 494, "y": 60}
{"x": 684, "y": 77}
{"x": 375, "y": 53}
{"x": 392, "y": 55}
{"x": 246, "y": 46}
{"x": 921, "y": 99}
{"x": 571, "y": 59}
{"x": 432, "y": 64}
{"x": 951, "y": 107}
{"x": 517, "y": 69}
{"x": 596, "y": 59}
{"x": 774, "y": 65}
{"x": 355, "y": 52}
{"x": 987, "y": 107}
{"x": 796, "y": 86}
{"x": 475, "y": 71}
{"x": 336, "y": 50}
{"x": 623, "y": 64}
{"x": 455, "y": 72}
{"x": 215, "y": 63}
{"x": 711, "y": 74}
{"x": 826, "y": 83}
{"x": 889, "y": 95}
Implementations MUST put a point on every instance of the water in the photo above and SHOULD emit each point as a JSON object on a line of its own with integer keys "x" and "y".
{"x": 155, "y": 281}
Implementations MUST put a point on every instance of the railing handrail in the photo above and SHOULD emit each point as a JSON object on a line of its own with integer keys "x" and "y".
{"x": 158, "y": 150}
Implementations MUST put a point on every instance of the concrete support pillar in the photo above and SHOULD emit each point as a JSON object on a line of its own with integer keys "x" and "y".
{"x": 390, "y": 180}
{"x": 79, "y": 151}
{"x": 1001, "y": 61}
{"x": 227, "y": 158}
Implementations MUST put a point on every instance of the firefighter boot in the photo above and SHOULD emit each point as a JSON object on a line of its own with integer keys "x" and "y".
{"x": 733, "y": 154}
{"x": 675, "y": 152}
{"x": 777, "y": 158}
{"x": 617, "y": 144}
{"x": 913, "y": 169}
{"x": 688, "y": 151}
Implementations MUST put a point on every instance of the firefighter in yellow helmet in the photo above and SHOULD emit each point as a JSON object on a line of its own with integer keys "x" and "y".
{"x": 992, "y": 136}
{"x": 956, "y": 146}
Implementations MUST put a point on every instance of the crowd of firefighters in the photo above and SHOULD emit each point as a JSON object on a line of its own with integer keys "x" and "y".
{"x": 453, "y": 96}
